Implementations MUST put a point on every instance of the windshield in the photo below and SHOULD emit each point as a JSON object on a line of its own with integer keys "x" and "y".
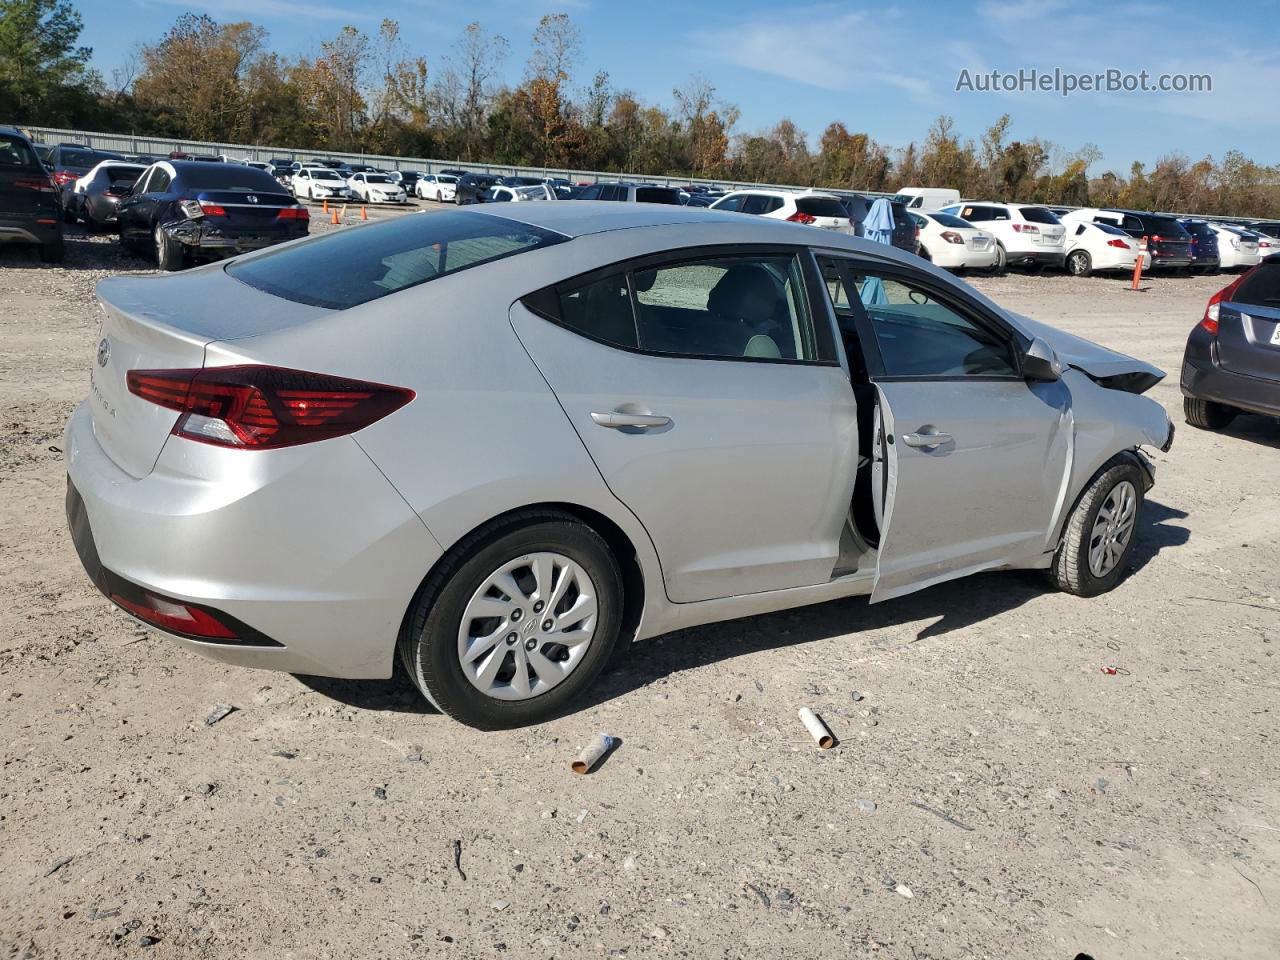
{"x": 445, "y": 178}
{"x": 324, "y": 175}
{"x": 347, "y": 268}
{"x": 376, "y": 178}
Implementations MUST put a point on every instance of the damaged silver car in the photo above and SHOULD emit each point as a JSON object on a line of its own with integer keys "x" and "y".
{"x": 499, "y": 445}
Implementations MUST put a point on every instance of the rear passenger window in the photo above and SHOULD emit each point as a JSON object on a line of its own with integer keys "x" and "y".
{"x": 159, "y": 182}
{"x": 733, "y": 204}
{"x": 742, "y": 307}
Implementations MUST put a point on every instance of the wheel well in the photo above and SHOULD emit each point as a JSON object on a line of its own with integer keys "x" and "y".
{"x": 619, "y": 543}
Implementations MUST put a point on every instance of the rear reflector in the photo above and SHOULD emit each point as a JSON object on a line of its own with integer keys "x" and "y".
{"x": 263, "y": 408}
{"x": 176, "y": 616}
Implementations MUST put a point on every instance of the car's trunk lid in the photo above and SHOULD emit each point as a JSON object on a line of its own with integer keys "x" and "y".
{"x": 1249, "y": 325}
{"x": 247, "y": 208}
{"x": 165, "y": 323}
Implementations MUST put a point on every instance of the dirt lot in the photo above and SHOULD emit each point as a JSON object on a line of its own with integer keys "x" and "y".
{"x": 995, "y": 792}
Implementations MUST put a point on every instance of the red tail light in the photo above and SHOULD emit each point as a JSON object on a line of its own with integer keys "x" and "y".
{"x": 294, "y": 213}
{"x": 212, "y": 209}
{"x": 63, "y": 177}
{"x": 1211, "y": 310}
{"x": 1157, "y": 239}
{"x": 263, "y": 408}
{"x": 799, "y": 217}
{"x": 1117, "y": 242}
{"x": 1025, "y": 228}
{"x": 176, "y": 616}
{"x": 950, "y": 236}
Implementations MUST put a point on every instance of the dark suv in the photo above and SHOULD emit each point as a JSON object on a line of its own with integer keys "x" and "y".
{"x": 30, "y": 211}
{"x": 1204, "y": 246}
{"x": 1168, "y": 244}
{"x": 472, "y": 187}
{"x": 1232, "y": 360}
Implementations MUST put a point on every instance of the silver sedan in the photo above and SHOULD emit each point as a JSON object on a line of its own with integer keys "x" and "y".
{"x": 499, "y": 445}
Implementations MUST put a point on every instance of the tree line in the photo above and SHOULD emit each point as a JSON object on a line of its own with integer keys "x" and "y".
{"x": 369, "y": 92}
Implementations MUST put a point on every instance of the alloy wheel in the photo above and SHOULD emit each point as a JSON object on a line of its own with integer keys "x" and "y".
{"x": 528, "y": 626}
{"x": 1112, "y": 529}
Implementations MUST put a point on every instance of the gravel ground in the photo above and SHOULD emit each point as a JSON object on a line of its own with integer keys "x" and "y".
{"x": 994, "y": 793}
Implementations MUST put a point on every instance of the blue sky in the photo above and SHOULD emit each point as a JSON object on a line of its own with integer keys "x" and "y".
{"x": 887, "y": 69}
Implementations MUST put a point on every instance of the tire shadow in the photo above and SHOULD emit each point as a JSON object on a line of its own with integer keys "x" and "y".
{"x": 947, "y": 607}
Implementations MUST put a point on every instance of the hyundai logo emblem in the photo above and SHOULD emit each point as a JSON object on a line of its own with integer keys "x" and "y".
{"x": 104, "y": 351}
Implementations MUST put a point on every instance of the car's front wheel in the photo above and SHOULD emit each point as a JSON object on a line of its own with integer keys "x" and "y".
{"x": 1206, "y": 414}
{"x": 516, "y": 622}
{"x": 1100, "y": 531}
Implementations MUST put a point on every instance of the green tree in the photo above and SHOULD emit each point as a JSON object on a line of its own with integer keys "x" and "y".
{"x": 44, "y": 75}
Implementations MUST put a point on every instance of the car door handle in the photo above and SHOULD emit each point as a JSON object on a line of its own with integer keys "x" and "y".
{"x": 926, "y": 439}
{"x": 619, "y": 418}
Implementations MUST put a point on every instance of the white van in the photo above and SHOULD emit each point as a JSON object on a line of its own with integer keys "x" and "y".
{"x": 927, "y": 198}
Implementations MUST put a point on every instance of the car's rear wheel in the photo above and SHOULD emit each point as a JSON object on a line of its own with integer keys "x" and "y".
{"x": 1002, "y": 261}
{"x": 54, "y": 251}
{"x": 1100, "y": 531}
{"x": 517, "y": 622}
{"x": 1079, "y": 264}
{"x": 169, "y": 255}
{"x": 1206, "y": 414}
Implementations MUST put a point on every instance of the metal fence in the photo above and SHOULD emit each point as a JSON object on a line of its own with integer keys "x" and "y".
{"x": 163, "y": 146}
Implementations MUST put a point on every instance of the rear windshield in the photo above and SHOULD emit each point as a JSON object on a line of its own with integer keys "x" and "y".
{"x": 16, "y": 152}
{"x": 1108, "y": 228}
{"x": 1165, "y": 225}
{"x": 123, "y": 174}
{"x": 81, "y": 158}
{"x": 228, "y": 177}
{"x": 821, "y": 207}
{"x": 657, "y": 195}
{"x": 1261, "y": 288}
{"x": 947, "y": 220}
{"x": 350, "y": 267}
{"x": 1198, "y": 229}
{"x": 1038, "y": 215}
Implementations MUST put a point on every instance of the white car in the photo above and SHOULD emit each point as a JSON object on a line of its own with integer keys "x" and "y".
{"x": 1095, "y": 247}
{"x": 821, "y": 210}
{"x": 319, "y": 183}
{"x": 1026, "y": 234}
{"x": 952, "y": 243}
{"x": 1237, "y": 246}
{"x": 435, "y": 186}
{"x": 500, "y": 193}
{"x": 376, "y": 188}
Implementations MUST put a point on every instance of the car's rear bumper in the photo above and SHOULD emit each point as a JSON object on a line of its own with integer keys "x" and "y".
{"x": 204, "y": 234}
{"x": 28, "y": 230}
{"x": 314, "y": 551}
{"x": 1048, "y": 258}
{"x": 953, "y": 256}
{"x": 1205, "y": 379}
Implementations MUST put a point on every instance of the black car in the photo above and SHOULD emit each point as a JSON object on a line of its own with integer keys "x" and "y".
{"x": 1168, "y": 244}
{"x": 562, "y": 187}
{"x": 409, "y": 179}
{"x": 30, "y": 210}
{"x": 513, "y": 181}
{"x": 455, "y": 173}
{"x": 1232, "y": 359}
{"x": 1204, "y": 246}
{"x": 186, "y": 210}
{"x": 96, "y": 204}
{"x": 68, "y": 163}
{"x": 472, "y": 187}
{"x": 857, "y": 206}
{"x": 699, "y": 200}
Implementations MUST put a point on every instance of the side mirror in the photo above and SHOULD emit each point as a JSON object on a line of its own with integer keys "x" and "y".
{"x": 1039, "y": 362}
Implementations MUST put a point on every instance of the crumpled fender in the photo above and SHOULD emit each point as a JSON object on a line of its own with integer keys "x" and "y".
{"x": 1106, "y": 423}
{"x": 1106, "y": 366}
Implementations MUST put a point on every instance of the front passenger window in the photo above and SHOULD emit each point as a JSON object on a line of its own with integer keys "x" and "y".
{"x": 920, "y": 336}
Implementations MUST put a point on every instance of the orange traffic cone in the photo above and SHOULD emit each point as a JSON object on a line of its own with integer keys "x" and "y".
{"x": 325, "y": 206}
{"x": 364, "y": 214}
{"x": 333, "y": 219}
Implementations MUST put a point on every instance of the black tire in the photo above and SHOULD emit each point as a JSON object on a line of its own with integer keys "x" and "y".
{"x": 1079, "y": 263}
{"x": 1070, "y": 570}
{"x": 54, "y": 251}
{"x": 428, "y": 642}
{"x": 169, "y": 253}
{"x": 1206, "y": 414}
{"x": 1002, "y": 261}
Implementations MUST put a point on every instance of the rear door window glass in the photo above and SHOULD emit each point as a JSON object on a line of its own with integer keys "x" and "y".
{"x": 345, "y": 269}
{"x": 16, "y": 153}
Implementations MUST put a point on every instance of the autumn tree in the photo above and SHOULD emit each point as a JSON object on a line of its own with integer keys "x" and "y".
{"x": 556, "y": 44}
